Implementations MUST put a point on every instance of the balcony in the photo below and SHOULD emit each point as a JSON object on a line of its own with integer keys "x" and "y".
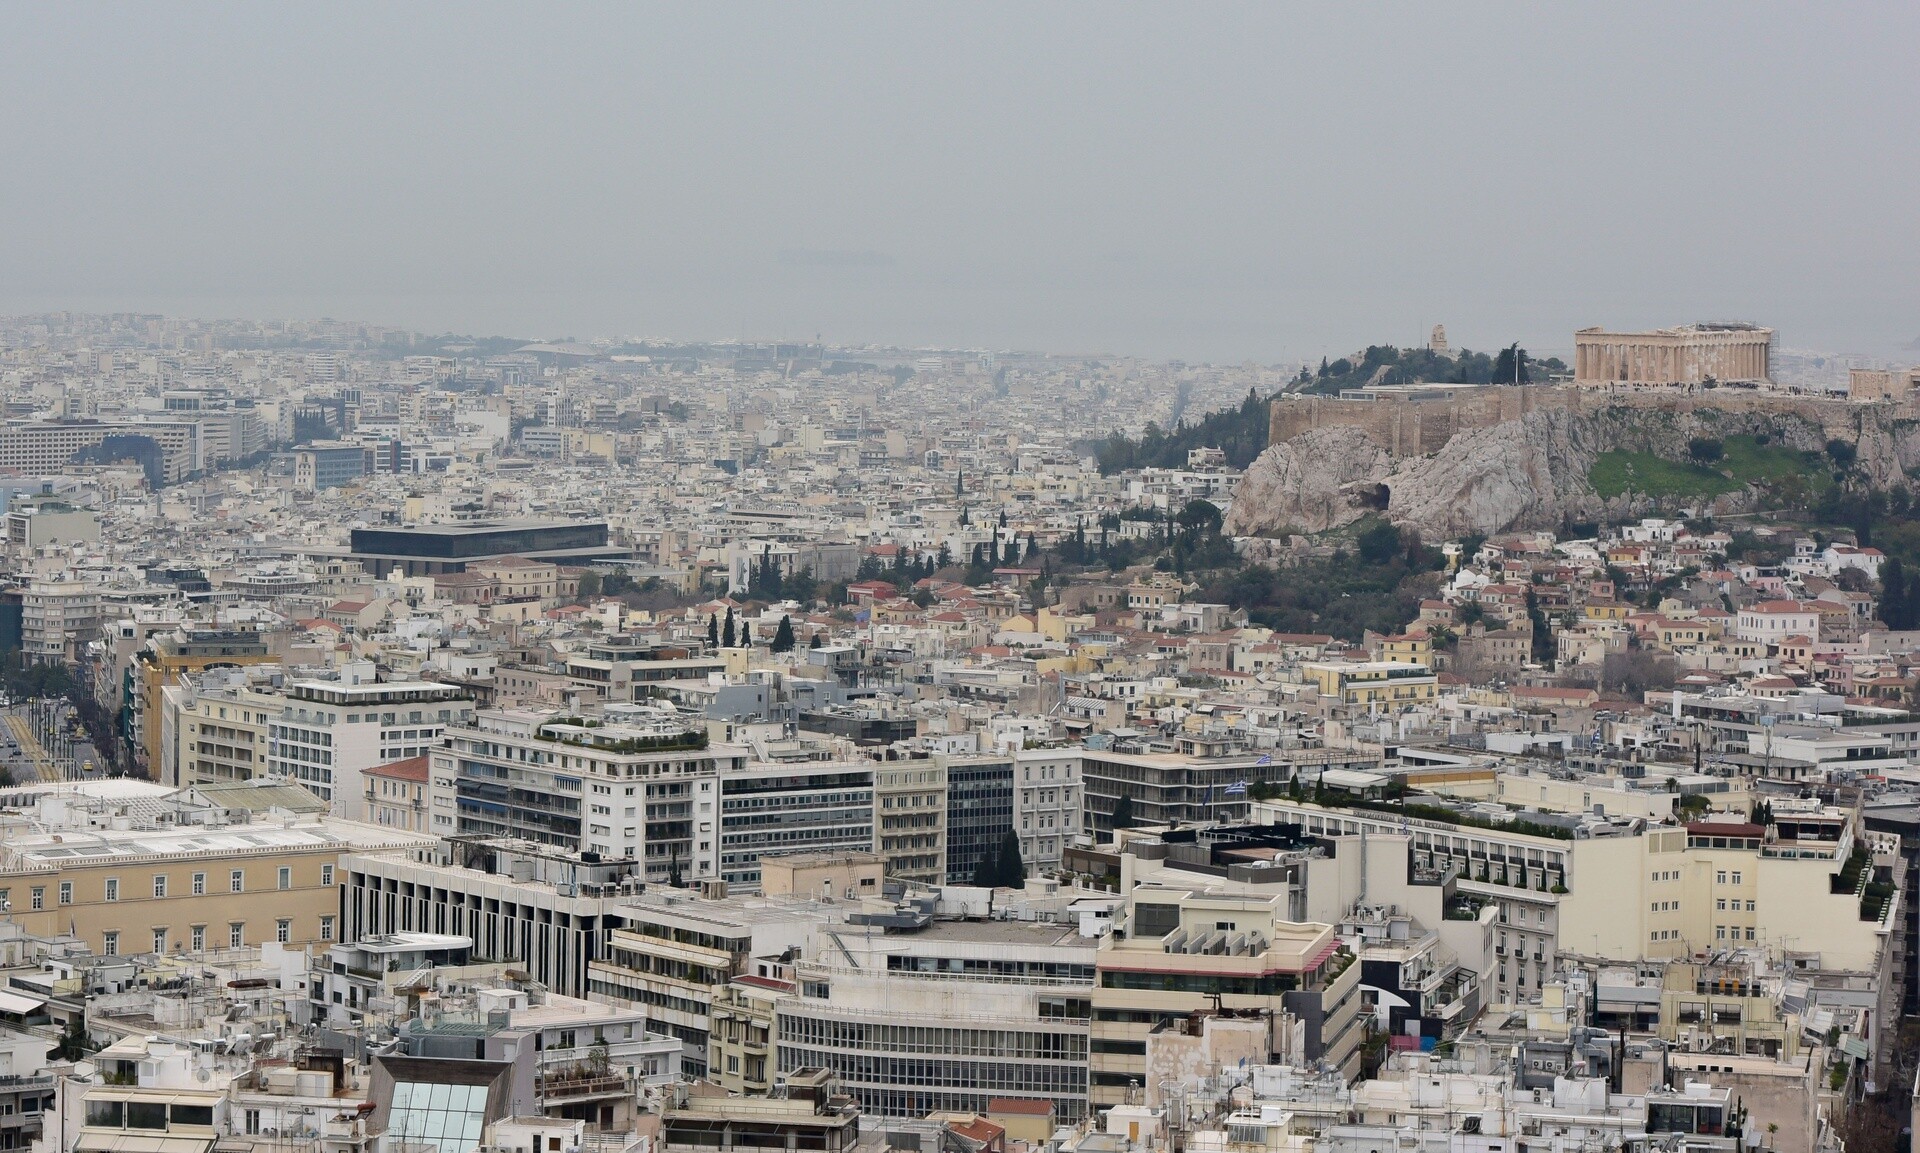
{"x": 582, "y": 1086}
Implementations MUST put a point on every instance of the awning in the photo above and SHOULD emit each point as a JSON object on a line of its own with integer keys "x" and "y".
{"x": 122, "y": 1141}
{"x": 11, "y": 1002}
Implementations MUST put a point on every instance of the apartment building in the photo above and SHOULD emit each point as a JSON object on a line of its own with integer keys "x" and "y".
{"x": 918, "y": 1016}
{"x": 910, "y": 827}
{"x": 979, "y": 812}
{"x": 1198, "y": 781}
{"x": 1046, "y": 805}
{"x": 397, "y": 795}
{"x": 1625, "y": 890}
{"x": 58, "y": 619}
{"x": 1376, "y": 684}
{"x": 166, "y": 662}
{"x": 1174, "y": 952}
{"x": 616, "y": 790}
{"x": 676, "y": 954}
{"x": 329, "y": 733}
{"x": 804, "y": 807}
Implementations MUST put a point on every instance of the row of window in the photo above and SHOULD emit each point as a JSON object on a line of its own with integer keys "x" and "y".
{"x": 110, "y": 889}
{"x": 197, "y": 936}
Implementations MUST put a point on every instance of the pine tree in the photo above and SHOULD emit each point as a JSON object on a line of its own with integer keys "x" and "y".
{"x": 713, "y": 631}
{"x": 783, "y": 636}
{"x": 726, "y": 630}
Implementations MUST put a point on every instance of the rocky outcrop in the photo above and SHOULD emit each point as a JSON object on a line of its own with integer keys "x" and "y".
{"x": 1529, "y": 472}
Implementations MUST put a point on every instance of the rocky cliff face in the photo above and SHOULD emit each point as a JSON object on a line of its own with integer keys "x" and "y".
{"x": 1529, "y": 472}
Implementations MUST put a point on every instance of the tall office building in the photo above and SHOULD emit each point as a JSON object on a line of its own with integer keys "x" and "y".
{"x": 979, "y": 812}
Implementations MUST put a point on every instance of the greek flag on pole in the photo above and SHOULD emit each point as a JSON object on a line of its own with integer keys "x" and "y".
{"x": 1236, "y": 787}
{"x": 1265, "y": 759}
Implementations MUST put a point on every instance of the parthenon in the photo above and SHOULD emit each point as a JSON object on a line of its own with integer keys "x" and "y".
{"x": 1689, "y": 354}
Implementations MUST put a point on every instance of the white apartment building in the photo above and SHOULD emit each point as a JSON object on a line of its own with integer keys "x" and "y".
{"x": 57, "y": 619}
{"x": 620, "y": 791}
{"x": 328, "y": 733}
{"x": 946, "y": 1016}
{"x": 1626, "y": 890}
{"x": 1046, "y": 805}
{"x": 1771, "y": 622}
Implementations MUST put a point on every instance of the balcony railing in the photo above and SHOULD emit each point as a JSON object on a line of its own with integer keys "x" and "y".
{"x": 575, "y": 1087}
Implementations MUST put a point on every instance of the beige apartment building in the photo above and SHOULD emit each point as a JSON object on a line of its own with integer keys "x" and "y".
{"x": 397, "y": 795}
{"x": 177, "y": 890}
{"x": 517, "y": 578}
{"x": 910, "y": 819}
{"x": 1175, "y": 952}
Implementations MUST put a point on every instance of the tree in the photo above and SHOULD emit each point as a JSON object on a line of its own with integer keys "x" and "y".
{"x": 1379, "y": 544}
{"x": 589, "y": 584}
{"x": 713, "y": 631}
{"x": 1893, "y": 595}
{"x": 783, "y": 636}
{"x": 1705, "y": 450}
{"x": 74, "y": 1042}
{"x": 746, "y": 634}
{"x": 1510, "y": 367}
{"x": 1842, "y": 452}
{"x": 1123, "y": 812}
{"x": 813, "y": 642}
{"x": 985, "y": 873}
{"x": 1010, "y": 871}
{"x": 727, "y": 630}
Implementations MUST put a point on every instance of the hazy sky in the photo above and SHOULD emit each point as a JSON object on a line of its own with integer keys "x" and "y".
{"x": 1209, "y": 181}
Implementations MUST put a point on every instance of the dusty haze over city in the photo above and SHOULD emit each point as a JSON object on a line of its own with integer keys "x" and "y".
{"x": 1243, "y": 181}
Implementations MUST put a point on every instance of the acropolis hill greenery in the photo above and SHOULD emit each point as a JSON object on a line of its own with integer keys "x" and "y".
{"x": 1241, "y": 432}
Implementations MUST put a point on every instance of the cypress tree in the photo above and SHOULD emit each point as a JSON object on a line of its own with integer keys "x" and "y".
{"x": 726, "y": 630}
{"x": 1011, "y": 871}
{"x": 1893, "y": 595}
{"x": 713, "y": 631}
{"x": 783, "y": 636}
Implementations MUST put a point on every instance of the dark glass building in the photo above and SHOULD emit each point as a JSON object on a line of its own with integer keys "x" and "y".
{"x": 432, "y": 549}
{"x": 979, "y": 814}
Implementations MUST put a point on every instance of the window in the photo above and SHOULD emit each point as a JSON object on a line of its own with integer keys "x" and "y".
{"x": 326, "y": 874}
{"x": 39, "y": 897}
{"x": 199, "y": 884}
{"x": 66, "y": 892}
{"x": 1736, "y": 878}
{"x": 251, "y": 1122}
{"x": 1749, "y": 906}
{"x": 111, "y": 944}
{"x": 160, "y": 885}
{"x": 326, "y": 928}
{"x": 159, "y": 940}
{"x": 199, "y": 938}
{"x": 1720, "y": 878}
{"x": 236, "y": 934}
{"x": 237, "y": 881}
{"x": 286, "y": 877}
{"x": 283, "y": 930}
{"x": 113, "y": 888}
